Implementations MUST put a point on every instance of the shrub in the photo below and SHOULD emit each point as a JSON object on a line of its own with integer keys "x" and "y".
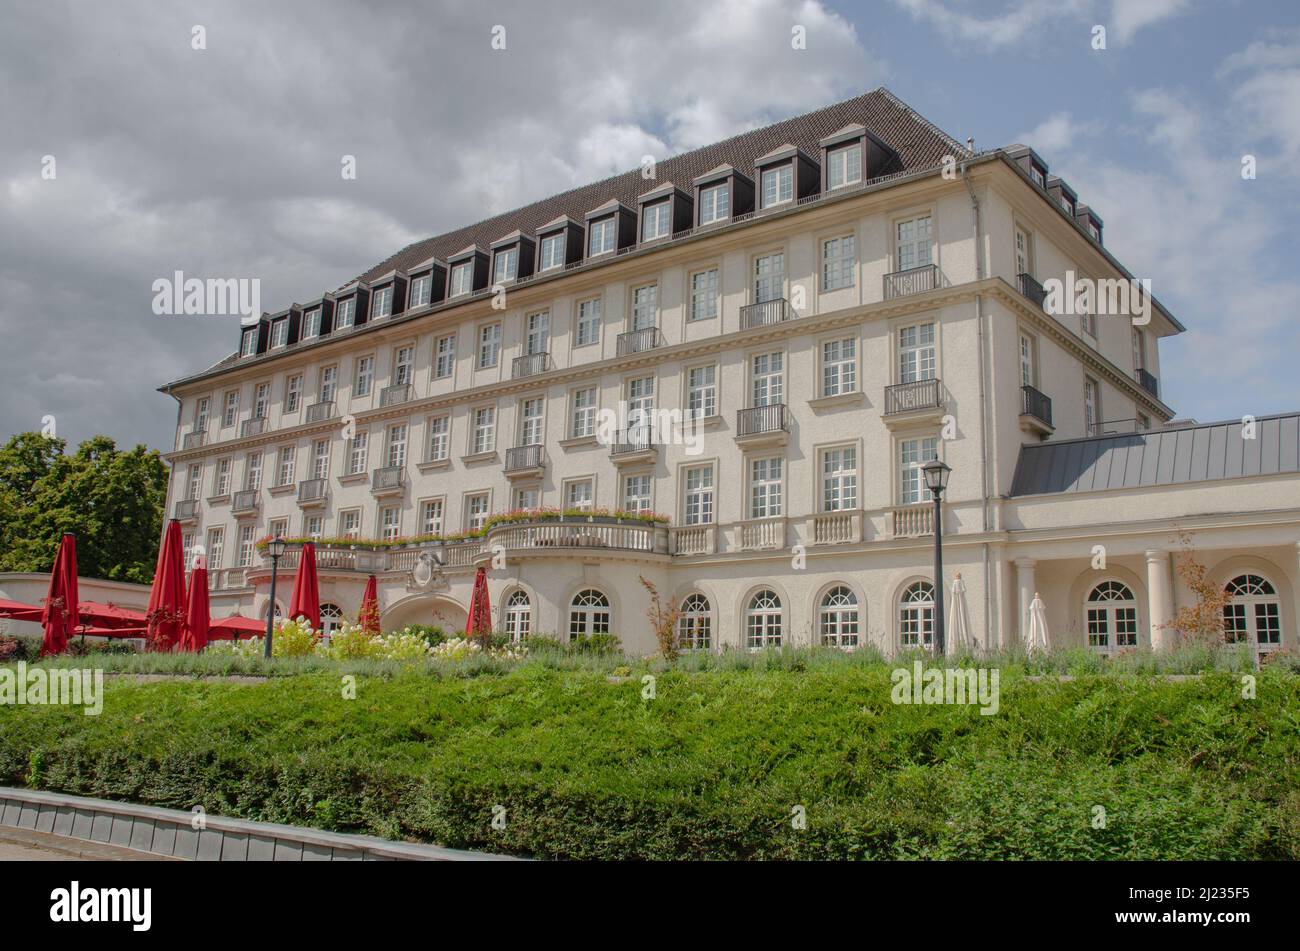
{"x": 352, "y": 642}
{"x": 294, "y": 638}
{"x": 601, "y": 645}
{"x": 11, "y": 648}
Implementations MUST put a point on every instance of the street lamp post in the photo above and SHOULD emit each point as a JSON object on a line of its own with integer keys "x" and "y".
{"x": 276, "y": 548}
{"x": 936, "y": 480}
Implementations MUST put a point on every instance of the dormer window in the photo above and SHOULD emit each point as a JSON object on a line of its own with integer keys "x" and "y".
{"x": 602, "y": 237}
{"x": 280, "y": 333}
{"x": 844, "y": 166}
{"x": 1037, "y": 176}
{"x": 421, "y": 290}
{"x": 1094, "y": 231}
{"x": 311, "y": 324}
{"x": 656, "y": 221}
{"x": 1067, "y": 205}
{"x": 715, "y": 203}
{"x": 383, "y": 303}
{"x": 248, "y": 343}
{"x": 345, "y": 313}
{"x": 462, "y": 278}
{"x": 552, "y": 251}
{"x": 506, "y": 267}
{"x": 778, "y": 185}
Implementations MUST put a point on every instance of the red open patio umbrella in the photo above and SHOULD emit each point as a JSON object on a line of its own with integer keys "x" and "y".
{"x": 60, "y": 617}
{"x": 166, "y": 615}
{"x": 21, "y": 612}
{"x": 306, "y": 589}
{"x": 235, "y": 627}
{"x": 478, "y": 623}
{"x": 369, "y": 616}
{"x": 108, "y": 614}
{"x": 195, "y": 636}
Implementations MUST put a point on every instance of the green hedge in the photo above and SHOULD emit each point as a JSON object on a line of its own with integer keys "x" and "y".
{"x": 710, "y": 768}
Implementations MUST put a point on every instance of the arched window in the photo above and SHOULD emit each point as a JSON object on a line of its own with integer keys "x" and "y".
{"x": 331, "y": 619}
{"x": 1111, "y": 617}
{"x": 279, "y": 614}
{"x": 763, "y": 620}
{"x": 916, "y": 615}
{"x": 588, "y": 614}
{"x": 519, "y": 615}
{"x": 693, "y": 633}
{"x": 838, "y": 618}
{"x": 1253, "y": 613}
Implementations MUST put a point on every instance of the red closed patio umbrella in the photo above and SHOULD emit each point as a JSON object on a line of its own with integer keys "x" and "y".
{"x": 195, "y": 636}
{"x": 60, "y": 616}
{"x": 306, "y": 589}
{"x": 165, "y": 618}
{"x": 369, "y": 616}
{"x": 478, "y": 623}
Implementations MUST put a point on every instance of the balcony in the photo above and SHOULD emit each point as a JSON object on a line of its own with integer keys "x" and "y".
{"x": 633, "y": 446}
{"x": 530, "y": 364}
{"x": 911, "y": 521}
{"x": 311, "y": 492}
{"x": 1148, "y": 382}
{"x": 319, "y": 412}
{"x": 763, "y": 425}
{"x": 195, "y": 439}
{"x": 843, "y": 527}
{"x": 390, "y": 480}
{"x": 638, "y": 341}
{"x": 524, "y": 462}
{"x": 253, "y": 427}
{"x": 1031, "y": 289}
{"x": 395, "y": 394}
{"x": 1036, "y": 412}
{"x": 186, "y": 510}
{"x": 762, "y": 314}
{"x": 759, "y": 534}
{"x": 693, "y": 539}
{"x": 246, "y": 502}
{"x": 917, "y": 401}
{"x": 563, "y": 535}
{"x": 916, "y": 280}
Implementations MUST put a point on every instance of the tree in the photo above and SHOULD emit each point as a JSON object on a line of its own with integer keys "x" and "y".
{"x": 663, "y": 619}
{"x": 112, "y": 500}
{"x": 1202, "y": 620}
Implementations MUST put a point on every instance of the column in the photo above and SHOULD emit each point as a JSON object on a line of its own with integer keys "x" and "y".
{"x": 1025, "y": 588}
{"x": 1160, "y": 599}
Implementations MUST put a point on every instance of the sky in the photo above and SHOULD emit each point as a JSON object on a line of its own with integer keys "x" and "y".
{"x": 140, "y": 139}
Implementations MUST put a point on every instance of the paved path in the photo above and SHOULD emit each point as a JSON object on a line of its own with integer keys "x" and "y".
{"x": 21, "y": 845}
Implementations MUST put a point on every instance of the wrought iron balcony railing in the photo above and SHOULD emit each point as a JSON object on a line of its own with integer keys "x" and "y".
{"x": 246, "y": 501}
{"x": 319, "y": 412}
{"x": 392, "y": 395}
{"x": 910, "y": 397}
{"x": 195, "y": 439}
{"x": 530, "y": 364}
{"x": 637, "y": 341}
{"x": 916, "y": 280}
{"x": 1036, "y": 404}
{"x": 762, "y": 419}
{"x": 1148, "y": 382}
{"x": 312, "y": 490}
{"x": 387, "y": 479}
{"x": 762, "y": 314}
{"x": 1031, "y": 289}
{"x": 187, "y": 508}
{"x": 254, "y": 426}
{"x": 523, "y": 457}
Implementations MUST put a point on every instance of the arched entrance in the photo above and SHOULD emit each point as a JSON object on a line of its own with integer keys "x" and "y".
{"x": 425, "y": 609}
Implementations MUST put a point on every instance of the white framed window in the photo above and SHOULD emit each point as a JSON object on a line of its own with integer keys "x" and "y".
{"x": 431, "y": 517}
{"x": 462, "y": 279}
{"x": 694, "y": 624}
{"x": 350, "y": 523}
{"x": 365, "y": 376}
{"x": 293, "y": 393}
{"x": 489, "y": 345}
{"x": 1027, "y": 374}
{"x": 912, "y": 454}
{"x": 602, "y": 237}
{"x": 579, "y": 494}
{"x": 221, "y": 481}
{"x": 345, "y": 312}
{"x": 839, "y": 479}
{"x": 313, "y": 526}
{"x": 216, "y": 546}
{"x": 278, "y": 528}
{"x": 230, "y": 409}
{"x": 697, "y": 499}
{"x": 390, "y": 522}
{"x": 331, "y": 619}
{"x": 532, "y": 413}
{"x": 582, "y": 419}
{"x": 280, "y": 333}
{"x": 396, "y": 445}
{"x": 778, "y": 185}
{"x": 763, "y": 620}
{"x": 253, "y": 471}
{"x": 329, "y": 381}
{"x": 552, "y": 251}
{"x": 702, "y": 391}
{"x": 769, "y": 277}
{"x": 917, "y": 358}
{"x": 288, "y": 458}
{"x": 1091, "y": 407}
{"x": 403, "y": 365}
{"x": 381, "y": 305}
{"x": 839, "y": 262}
{"x": 655, "y": 221}
{"x": 201, "y": 409}
{"x": 528, "y": 498}
{"x": 765, "y": 487}
{"x": 844, "y": 166}
{"x": 247, "y": 545}
{"x": 519, "y": 615}
{"x": 439, "y": 438}
{"x": 537, "y": 336}
{"x": 421, "y": 290}
{"x": 704, "y": 294}
{"x": 588, "y": 322}
{"x": 505, "y": 266}
{"x": 589, "y": 614}
{"x": 636, "y": 493}
{"x": 913, "y": 246}
{"x": 839, "y": 366}
{"x": 1024, "y": 252}
{"x": 916, "y": 616}
{"x": 476, "y": 511}
{"x": 640, "y": 402}
{"x": 837, "y": 618}
{"x": 485, "y": 429}
{"x": 195, "y": 487}
{"x": 1110, "y": 618}
{"x": 320, "y": 459}
{"x": 645, "y": 307}
{"x": 715, "y": 203}
{"x": 767, "y": 378}
{"x": 1253, "y": 613}
{"x": 358, "y": 450}
{"x": 248, "y": 342}
{"x": 261, "y": 400}
{"x": 444, "y": 356}
{"x": 1139, "y": 350}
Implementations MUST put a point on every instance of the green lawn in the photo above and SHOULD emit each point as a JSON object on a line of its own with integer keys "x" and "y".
{"x": 710, "y": 768}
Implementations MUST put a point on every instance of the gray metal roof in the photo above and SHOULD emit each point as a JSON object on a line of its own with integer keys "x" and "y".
{"x": 1168, "y": 457}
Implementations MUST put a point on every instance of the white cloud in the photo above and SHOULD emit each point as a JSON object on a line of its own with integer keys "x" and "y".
{"x": 1129, "y": 16}
{"x": 1022, "y": 20}
{"x": 1057, "y": 133}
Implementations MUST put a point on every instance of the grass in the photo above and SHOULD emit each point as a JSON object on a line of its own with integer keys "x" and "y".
{"x": 712, "y": 767}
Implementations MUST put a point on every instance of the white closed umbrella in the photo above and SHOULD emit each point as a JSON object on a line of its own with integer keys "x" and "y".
{"x": 1037, "y": 639}
{"x": 959, "y": 638}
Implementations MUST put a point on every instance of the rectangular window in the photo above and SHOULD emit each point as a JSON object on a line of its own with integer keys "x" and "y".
{"x": 769, "y": 277}
{"x": 640, "y": 402}
{"x": 221, "y": 481}
{"x": 655, "y": 221}
{"x": 195, "y": 483}
{"x": 916, "y": 354}
{"x": 320, "y": 459}
{"x": 839, "y": 479}
{"x": 476, "y": 511}
{"x": 636, "y": 493}
{"x": 583, "y": 420}
{"x": 261, "y": 400}
{"x": 329, "y": 377}
{"x": 552, "y": 251}
{"x": 247, "y": 545}
{"x": 537, "y": 338}
{"x": 702, "y": 392}
{"x": 839, "y": 367}
{"x": 579, "y": 494}
{"x": 280, "y": 333}
{"x": 278, "y": 527}
{"x": 1139, "y": 350}
{"x": 216, "y": 544}
{"x": 445, "y": 359}
{"x": 421, "y": 290}
{"x": 715, "y": 204}
{"x": 431, "y": 517}
{"x": 768, "y": 378}
{"x": 248, "y": 344}
{"x": 403, "y": 365}
{"x": 313, "y": 526}
{"x": 838, "y": 263}
{"x": 1091, "y": 407}
{"x": 698, "y": 498}
{"x": 778, "y": 185}
{"x": 914, "y": 247}
{"x": 844, "y": 166}
{"x": 1024, "y": 253}
{"x": 350, "y": 523}
{"x": 390, "y": 522}
{"x": 531, "y": 414}
{"x": 462, "y": 278}
{"x": 344, "y": 313}
{"x": 231, "y": 408}
{"x": 253, "y": 472}
{"x": 602, "y": 237}
{"x": 293, "y": 393}
{"x": 489, "y": 345}
{"x": 588, "y": 322}
{"x": 358, "y": 450}
{"x": 528, "y": 498}
{"x": 912, "y": 454}
{"x": 365, "y": 376}
{"x": 439, "y": 438}
{"x": 201, "y": 414}
{"x": 704, "y": 294}
{"x": 288, "y": 456}
{"x": 485, "y": 429}
{"x": 645, "y": 307}
{"x": 765, "y": 487}
{"x": 505, "y": 267}
{"x": 396, "y": 455}
{"x": 1026, "y": 360}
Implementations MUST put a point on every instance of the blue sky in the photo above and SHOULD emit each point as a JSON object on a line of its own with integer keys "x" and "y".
{"x": 224, "y": 161}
